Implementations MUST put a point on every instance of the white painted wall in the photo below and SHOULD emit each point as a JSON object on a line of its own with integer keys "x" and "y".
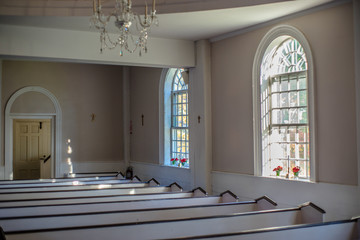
{"x": 97, "y": 166}
{"x": 80, "y": 46}
{"x": 165, "y": 175}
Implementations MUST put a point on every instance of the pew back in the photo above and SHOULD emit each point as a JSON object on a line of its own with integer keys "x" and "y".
{"x": 344, "y": 230}
{"x": 123, "y": 216}
{"x": 171, "y": 228}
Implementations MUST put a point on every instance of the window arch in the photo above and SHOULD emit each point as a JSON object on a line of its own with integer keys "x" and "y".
{"x": 174, "y": 123}
{"x": 283, "y": 105}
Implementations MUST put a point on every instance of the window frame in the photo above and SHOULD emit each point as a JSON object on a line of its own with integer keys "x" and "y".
{"x": 279, "y": 33}
{"x": 166, "y": 114}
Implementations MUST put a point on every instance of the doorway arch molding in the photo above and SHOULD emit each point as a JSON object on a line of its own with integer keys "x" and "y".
{"x": 57, "y": 116}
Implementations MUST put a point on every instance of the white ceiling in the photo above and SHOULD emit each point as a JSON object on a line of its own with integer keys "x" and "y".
{"x": 186, "y": 25}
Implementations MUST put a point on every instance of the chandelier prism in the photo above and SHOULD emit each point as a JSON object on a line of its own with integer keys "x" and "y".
{"x": 132, "y": 29}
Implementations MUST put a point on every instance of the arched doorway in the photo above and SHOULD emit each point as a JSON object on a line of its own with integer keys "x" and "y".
{"x": 55, "y": 116}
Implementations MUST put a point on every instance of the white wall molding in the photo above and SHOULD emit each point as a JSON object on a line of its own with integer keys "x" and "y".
{"x": 273, "y": 34}
{"x": 2, "y": 161}
{"x": 279, "y": 20}
{"x": 356, "y": 12}
{"x": 165, "y": 114}
{"x": 56, "y": 133}
{"x": 81, "y": 46}
{"x": 339, "y": 201}
{"x": 126, "y": 114}
{"x": 200, "y": 107}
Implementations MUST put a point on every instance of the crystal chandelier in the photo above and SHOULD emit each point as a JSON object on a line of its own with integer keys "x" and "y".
{"x": 132, "y": 30}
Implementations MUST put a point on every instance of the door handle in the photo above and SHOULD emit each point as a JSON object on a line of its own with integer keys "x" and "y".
{"x": 45, "y": 158}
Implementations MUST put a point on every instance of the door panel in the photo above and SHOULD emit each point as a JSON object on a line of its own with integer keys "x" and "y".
{"x": 29, "y": 142}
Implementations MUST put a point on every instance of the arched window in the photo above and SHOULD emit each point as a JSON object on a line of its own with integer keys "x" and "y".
{"x": 176, "y": 118}
{"x": 285, "y": 143}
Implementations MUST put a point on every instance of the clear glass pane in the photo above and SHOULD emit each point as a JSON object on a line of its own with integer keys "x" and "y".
{"x": 303, "y": 118}
{"x": 184, "y": 121}
{"x": 302, "y": 83}
{"x": 284, "y": 99}
{"x": 293, "y": 99}
{"x": 276, "y": 118}
{"x": 292, "y": 150}
{"x": 185, "y": 110}
{"x": 301, "y": 132}
{"x": 179, "y": 110}
{"x": 284, "y": 85}
{"x": 284, "y": 133}
{"x": 285, "y": 116}
{"x": 301, "y": 151}
{"x": 275, "y": 87}
{"x": 275, "y": 100}
{"x": 292, "y": 132}
{"x": 179, "y": 121}
{"x": 303, "y": 98}
{"x": 293, "y": 116}
{"x": 293, "y": 83}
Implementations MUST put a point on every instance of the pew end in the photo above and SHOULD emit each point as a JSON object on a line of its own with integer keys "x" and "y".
{"x": 2, "y": 234}
{"x": 265, "y": 203}
{"x": 311, "y": 213}
{"x": 199, "y": 192}
{"x": 135, "y": 179}
{"x": 356, "y": 232}
{"x": 153, "y": 182}
{"x": 229, "y": 196}
{"x": 119, "y": 175}
{"x": 175, "y": 187}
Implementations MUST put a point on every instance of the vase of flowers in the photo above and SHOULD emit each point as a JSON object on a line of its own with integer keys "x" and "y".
{"x": 183, "y": 162}
{"x": 177, "y": 162}
{"x": 296, "y": 171}
{"x": 278, "y": 169}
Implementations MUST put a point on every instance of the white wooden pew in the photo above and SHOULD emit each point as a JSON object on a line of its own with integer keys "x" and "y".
{"x": 128, "y": 216}
{"x": 91, "y": 174}
{"x": 67, "y": 183}
{"x": 176, "y": 192}
{"x": 70, "y": 183}
{"x": 307, "y": 213}
{"x": 200, "y": 198}
{"x": 83, "y": 193}
{"x": 52, "y": 180}
{"x": 79, "y": 186}
{"x": 336, "y": 230}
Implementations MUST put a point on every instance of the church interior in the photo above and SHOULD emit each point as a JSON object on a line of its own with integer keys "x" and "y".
{"x": 252, "y": 103}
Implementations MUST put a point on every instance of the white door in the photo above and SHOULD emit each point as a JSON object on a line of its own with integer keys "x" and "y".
{"x": 32, "y": 143}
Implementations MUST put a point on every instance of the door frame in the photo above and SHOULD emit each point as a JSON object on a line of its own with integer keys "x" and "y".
{"x": 31, "y": 116}
{"x": 56, "y": 129}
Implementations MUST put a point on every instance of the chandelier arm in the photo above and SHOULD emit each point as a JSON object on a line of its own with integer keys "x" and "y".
{"x": 144, "y": 25}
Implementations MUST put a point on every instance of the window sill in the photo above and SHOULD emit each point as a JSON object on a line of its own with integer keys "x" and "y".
{"x": 158, "y": 165}
{"x": 288, "y": 179}
{"x": 164, "y": 165}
